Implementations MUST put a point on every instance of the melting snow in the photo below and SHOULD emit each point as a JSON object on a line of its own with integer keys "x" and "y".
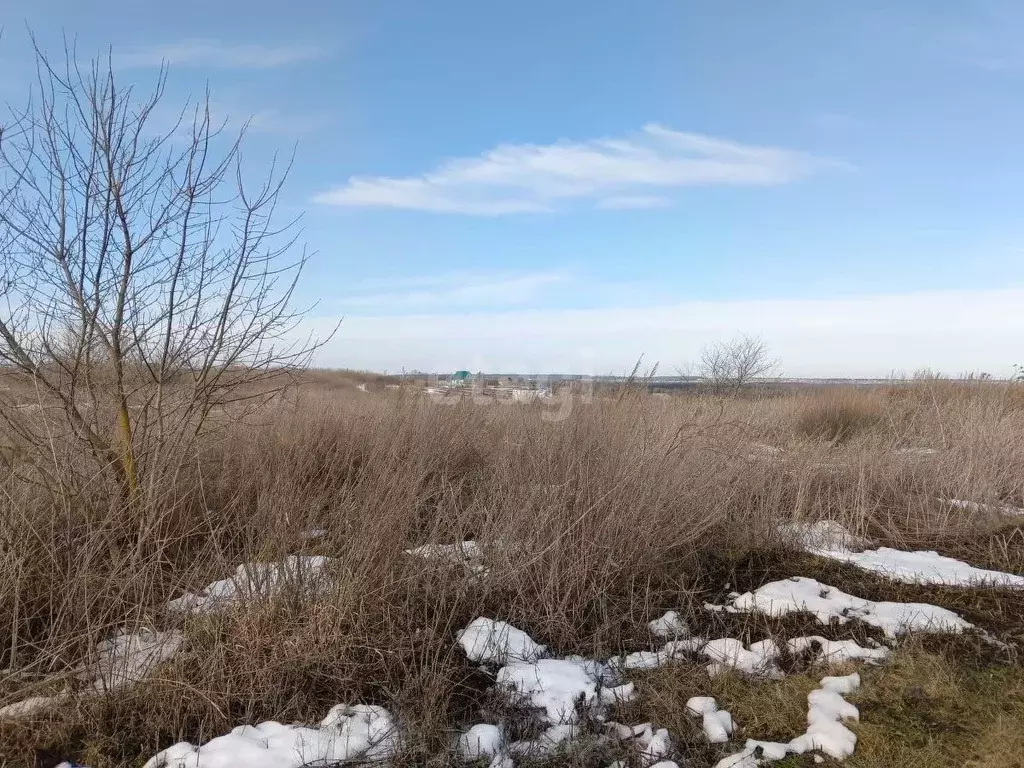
{"x": 779, "y": 598}
{"x": 827, "y": 535}
{"x": 652, "y": 744}
{"x": 618, "y": 694}
{"x": 669, "y": 625}
{"x": 828, "y": 538}
{"x": 547, "y": 743}
{"x": 555, "y": 686}
{"x": 564, "y": 693}
{"x": 483, "y": 740}
{"x": 837, "y": 651}
{"x": 459, "y": 553}
{"x": 121, "y": 661}
{"x": 366, "y": 733}
{"x": 674, "y": 649}
{"x": 925, "y": 568}
{"x": 255, "y": 580}
{"x": 977, "y": 506}
{"x": 758, "y": 661}
{"x": 129, "y": 657}
{"x": 717, "y": 723}
{"x": 729, "y": 653}
{"x": 826, "y": 731}
{"x": 497, "y": 642}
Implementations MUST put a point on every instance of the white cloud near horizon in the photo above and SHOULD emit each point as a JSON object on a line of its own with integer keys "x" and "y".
{"x": 865, "y": 336}
{"x": 630, "y": 172}
{"x": 208, "y": 52}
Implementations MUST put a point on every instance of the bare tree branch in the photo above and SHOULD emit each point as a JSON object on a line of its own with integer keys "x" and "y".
{"x": 146, "y": 285}
{"x": 729, "y": 366}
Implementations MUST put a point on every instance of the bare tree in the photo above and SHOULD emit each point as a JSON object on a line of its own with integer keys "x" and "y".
{"x": 146, "y": 285}
{"x": 728, "y": 366}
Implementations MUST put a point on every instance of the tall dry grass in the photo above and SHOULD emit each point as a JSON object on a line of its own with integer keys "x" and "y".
{"x": 630, "y": 505}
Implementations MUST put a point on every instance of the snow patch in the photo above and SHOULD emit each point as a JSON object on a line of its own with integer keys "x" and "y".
{"x": 129, "y": 657}
{"x": 800, "y": 593}
{"x": 827, "y": 538}
{"x": 670, "y": 625}
{"x": 728, "y": 653}
{"x": 458, "y": 553}
{"x": 364, "y": 733}
{"x": 487, "y": 641}
{"x": 674, "y": 649}
{"x": 555, "y": 687}
{"x": 827, "y": 535}
{"x": 651, "y": 744}
{"x": 255, "y": 581}
{"x": 925, "y": 568}
{"x": 717, "y": 723}
{"x": 977, "y": 506}
{"x": 483, "y": 740}
{"x": 837, "y": 651}
{"x": 826, "y": 730}
{"x": 121, "y": 661}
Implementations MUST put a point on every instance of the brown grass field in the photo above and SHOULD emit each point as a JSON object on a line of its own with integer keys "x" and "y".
{"x": 625, "y": 506}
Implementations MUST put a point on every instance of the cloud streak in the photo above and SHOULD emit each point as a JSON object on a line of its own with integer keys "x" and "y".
{"x": 631, "y": 172}
{"x": 212, "y": 53}
{"x": 449, "y": 291}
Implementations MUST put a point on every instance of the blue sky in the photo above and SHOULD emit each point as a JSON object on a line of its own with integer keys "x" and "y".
{"x": 564, "y": 186}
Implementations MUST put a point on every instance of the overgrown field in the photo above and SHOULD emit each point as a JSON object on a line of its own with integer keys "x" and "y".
{"x": 597, "y": 516}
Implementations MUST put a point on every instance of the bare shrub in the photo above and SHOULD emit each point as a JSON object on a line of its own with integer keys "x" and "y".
{"x": 147, "y": 285}
{"x": 729, "y": 366}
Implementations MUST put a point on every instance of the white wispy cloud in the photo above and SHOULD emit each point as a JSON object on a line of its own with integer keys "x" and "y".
{"x": 450, "y": 290}
{"x": 633, "y": 202}
{"x": 871, "y": 335}
{"x": 633, "y": 171}
{"x": 212, "y": 53}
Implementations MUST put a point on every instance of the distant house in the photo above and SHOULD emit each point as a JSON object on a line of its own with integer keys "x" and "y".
{"x": 461, "y": 378}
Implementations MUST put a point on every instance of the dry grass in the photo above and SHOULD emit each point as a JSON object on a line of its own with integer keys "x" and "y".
{"x": 837, "y": 416}
{"x": 927, "y": 708}
{"x": 631, "y": 505}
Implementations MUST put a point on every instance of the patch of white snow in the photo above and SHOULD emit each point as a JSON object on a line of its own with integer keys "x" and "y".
{"x": 717, "y": 723}
{"x": 977, "y": 506}
{"x": 837, "y": 651}
{"x": 925, "y": 568}
{"x": 729, "y": 653}
{"x": 458, "y": 553}
{"x": 364, "y": 733}
{"x": 121, "y": 661}
{"x": 554, "y": 687}
{"x": 255, "y": 581}
{"x": 497, "y": 642}
{"x": 482, "y": 740}
{"x": 826, "y": 730}
{"x": 827, "y": 535}
{"x": 799, "y": 593}
{"x": 670, "y": 625}
{"x": 547, "y": 743}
